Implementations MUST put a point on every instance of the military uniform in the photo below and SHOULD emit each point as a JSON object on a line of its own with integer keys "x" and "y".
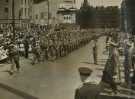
{"x": 36, "y": 54}
{"x": 26, "y": 46}
{"x": 87, "y": 90}
{"x": 14, "y": 57}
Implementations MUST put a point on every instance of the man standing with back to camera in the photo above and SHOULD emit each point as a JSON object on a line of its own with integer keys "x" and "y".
{"x": 88, "y": 90}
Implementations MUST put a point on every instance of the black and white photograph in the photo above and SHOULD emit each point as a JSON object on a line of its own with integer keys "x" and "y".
{"x": 67, "y": 49}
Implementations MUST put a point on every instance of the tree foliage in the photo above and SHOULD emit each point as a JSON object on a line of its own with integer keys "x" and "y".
{"x": 85, "y": 15}
{"x": 98, "y": 17}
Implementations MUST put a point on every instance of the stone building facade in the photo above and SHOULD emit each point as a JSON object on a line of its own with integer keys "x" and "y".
{"x": 4, "y": 11}
{"x": 67, "y": 12}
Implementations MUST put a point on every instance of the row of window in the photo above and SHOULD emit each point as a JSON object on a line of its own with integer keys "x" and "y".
{"x": 25, "y": 13}
{"x": 6, "y": 10}
{"x": 42, "y": 14}
{"x": 25, "y": 1}
{"x": 67, "y": 17}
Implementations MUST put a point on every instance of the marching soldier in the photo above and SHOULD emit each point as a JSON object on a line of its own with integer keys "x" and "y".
{"x": 36, "y": 52}
{"x": 26, "y": 47}
{"x": 43, "y": 47}
{"x": 14, "y": 57}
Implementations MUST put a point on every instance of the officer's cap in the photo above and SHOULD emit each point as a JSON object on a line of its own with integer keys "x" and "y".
{"x": 85, "y": 71}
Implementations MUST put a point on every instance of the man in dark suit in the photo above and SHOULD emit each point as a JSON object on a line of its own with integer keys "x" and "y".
{"x": 88, "y": 90}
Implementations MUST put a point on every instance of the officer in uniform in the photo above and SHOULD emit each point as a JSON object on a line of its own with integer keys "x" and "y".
{"x": 95, "y": 52}
{"x": 87, "y": 90}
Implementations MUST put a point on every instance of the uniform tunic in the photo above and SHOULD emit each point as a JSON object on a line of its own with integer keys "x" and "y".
{"x": 87, "y": 91}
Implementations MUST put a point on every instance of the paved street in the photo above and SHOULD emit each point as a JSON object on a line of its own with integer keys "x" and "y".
{"x": 51, "y": 80}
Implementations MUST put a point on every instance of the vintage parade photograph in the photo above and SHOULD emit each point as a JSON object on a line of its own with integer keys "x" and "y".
{"x": 67, "y": 49}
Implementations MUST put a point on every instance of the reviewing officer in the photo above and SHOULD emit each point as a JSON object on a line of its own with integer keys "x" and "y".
{"x": 88, "y": 90}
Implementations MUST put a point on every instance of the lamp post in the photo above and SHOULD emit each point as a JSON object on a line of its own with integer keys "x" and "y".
{"x": 48, "y": 4}
{"x": 13, "y": 19}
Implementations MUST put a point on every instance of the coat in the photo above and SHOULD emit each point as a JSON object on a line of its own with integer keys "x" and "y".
{"x": 112, "y": 65}
{"x": 87, "y": 91}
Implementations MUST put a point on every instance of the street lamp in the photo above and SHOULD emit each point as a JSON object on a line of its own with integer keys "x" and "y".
{"x": 48, "y": 3}
{"x": 13, "y": 19}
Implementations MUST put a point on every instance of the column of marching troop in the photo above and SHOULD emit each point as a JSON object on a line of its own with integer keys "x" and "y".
{"x": 25, "y": 41}
{"x": 39, "y": 44}
{"x": 61, "y": 43}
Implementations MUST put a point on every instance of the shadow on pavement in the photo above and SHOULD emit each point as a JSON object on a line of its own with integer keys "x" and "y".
{"x": 17, "y": 92}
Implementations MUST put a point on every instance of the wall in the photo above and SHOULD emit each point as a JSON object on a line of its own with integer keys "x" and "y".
{"x": 42, "y": 7}
{"x": 4, "y": 11}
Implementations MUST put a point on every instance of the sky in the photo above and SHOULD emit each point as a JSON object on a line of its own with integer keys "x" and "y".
{"x": 100, "y": 2}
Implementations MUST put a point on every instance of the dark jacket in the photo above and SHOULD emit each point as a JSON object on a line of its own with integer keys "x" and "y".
{"x": 87, "y": 91}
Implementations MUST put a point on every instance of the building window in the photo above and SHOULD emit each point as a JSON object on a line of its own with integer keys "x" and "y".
{"x": 21, "y": 1}
{"x": 25, "y": 11}
{"x": 69, "y": 17}
{"x": 6, "y": 10}
{"x": 42, "y": 15}
{"x": 20, "y": 12}
{"x": 64, "y": 17}
{"x": 6, "y": 0}
{"x": 36, "y": 16}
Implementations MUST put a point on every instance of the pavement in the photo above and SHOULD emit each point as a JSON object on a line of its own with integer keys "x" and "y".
{"x": 51, "y": 80}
